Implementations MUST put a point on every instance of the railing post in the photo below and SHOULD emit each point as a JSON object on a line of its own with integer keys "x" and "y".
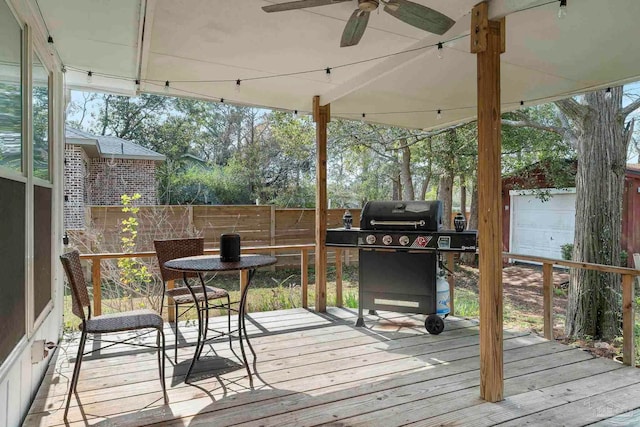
{"x": 338, "y": 277}
{"x": 628, "y": 320}
{"x": 547, "y": 298}
{"x": 171, "y": 309}
{"x": 97, "y": 291}
{"x": 304, "y": 276}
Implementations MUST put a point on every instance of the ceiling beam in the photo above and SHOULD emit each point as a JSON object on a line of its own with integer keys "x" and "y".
{"x": 147, "y": 13}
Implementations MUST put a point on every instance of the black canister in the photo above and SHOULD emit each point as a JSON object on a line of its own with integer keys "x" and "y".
{"x": 459, "y": 222}
{"x": 230, "y": 247}
{"x": 347, "y": 220}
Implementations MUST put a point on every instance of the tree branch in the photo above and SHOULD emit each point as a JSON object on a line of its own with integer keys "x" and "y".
{"x": 572, "y": 108}
{"x": 630, "y": 108}
{"x": 526, "y": 123}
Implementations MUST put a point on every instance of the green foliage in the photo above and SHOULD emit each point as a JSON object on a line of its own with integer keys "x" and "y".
{"x": 133, "y": 274}
{"x": 567, "y": 251}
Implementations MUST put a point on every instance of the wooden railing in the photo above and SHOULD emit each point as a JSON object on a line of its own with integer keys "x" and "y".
{"x": 303, "y": 249}
{"x": 628, "y": 274}
{"x": 628, "y": 312}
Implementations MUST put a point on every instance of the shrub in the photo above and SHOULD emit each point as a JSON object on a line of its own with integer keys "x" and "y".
{"x": 567, "y": 251}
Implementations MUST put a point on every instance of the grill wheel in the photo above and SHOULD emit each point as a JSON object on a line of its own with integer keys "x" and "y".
{"x": 434, "y": 324}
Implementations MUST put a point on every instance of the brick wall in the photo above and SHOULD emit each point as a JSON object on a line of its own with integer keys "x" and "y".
{"x": 108, "y": 179}
{"x": 75, "y": 170}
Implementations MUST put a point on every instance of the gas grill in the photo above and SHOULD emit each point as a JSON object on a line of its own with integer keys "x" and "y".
{"x": 399, "y": 246}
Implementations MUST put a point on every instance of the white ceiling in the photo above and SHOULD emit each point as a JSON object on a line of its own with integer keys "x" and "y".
{"x": 197, "y": 40}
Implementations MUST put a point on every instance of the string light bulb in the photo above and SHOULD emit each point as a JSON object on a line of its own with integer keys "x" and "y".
{"x": 439, "y": 115}
{"x": 221, "y": 100}
{"x": 166, "y": 86}
{"x": 50, "y": 46}
{"x": 89, "y": 77}
{"x": 137, "y": 82}
{"x": 238, "y": 83}
{"x": 363, "y": 117}
{"x": 607, "y": 93}
{"x": 522, "y": 103}
{"x": 295, "y": 113}
{"x": 327, "y": 74}
{"x": 562, "y": 12}
{"x": 440, "y": 50}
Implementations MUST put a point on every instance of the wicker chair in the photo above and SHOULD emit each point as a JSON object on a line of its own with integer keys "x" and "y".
{"x": 167, "y": 250}
{"x": 116, "y": 322}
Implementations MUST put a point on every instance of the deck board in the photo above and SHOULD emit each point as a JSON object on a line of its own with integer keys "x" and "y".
{"x": 315, "y": 369}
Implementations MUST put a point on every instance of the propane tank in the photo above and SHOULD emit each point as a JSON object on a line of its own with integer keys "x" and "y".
{"x": 442, "y": 295}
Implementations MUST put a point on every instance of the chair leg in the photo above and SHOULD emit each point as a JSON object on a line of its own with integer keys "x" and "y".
{"x": 76, "y": 372}
{"x": 229, "y": 320}
{"x": 161, "y": 356}
{"x": 175, "y": 349}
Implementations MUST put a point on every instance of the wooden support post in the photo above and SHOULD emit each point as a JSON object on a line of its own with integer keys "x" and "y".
{"x": 321, "y": 116}
{"x": 487, "y": 42}
{"x": 452, "y": 281}
{"x": 338, "y": 277}
{"x": 547, "y": 299}
{"x": 628, "y": 320}
{"x": 171, "y": 309}
{"x": 304, "y": 277}
{"x": 244, "y": 279}
{"x": 97, "y": 290}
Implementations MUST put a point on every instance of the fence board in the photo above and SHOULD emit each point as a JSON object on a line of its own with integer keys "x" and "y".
{"x": 257, "y": 225}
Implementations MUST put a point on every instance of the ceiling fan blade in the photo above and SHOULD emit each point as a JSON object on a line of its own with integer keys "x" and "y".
{"x": 354, "y": 29}
{"x": 419, "y": 16}
{"x": 300, "y": 4}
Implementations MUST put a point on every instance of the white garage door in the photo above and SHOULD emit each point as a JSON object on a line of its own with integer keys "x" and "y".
{"x": 539, "y": 227}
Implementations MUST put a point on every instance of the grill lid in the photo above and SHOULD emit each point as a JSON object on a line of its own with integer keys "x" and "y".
{"x": 402, "y": 215}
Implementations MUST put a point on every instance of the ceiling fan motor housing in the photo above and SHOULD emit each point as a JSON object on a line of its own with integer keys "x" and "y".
{"x": 368, "y": 5}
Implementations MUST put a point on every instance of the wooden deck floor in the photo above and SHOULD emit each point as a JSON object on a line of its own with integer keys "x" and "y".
{"x": 318, "y": 369}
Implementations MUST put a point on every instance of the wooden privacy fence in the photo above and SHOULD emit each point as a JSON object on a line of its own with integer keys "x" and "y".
{"x": 258, "y": 226}
{"x": 628, "y": 311}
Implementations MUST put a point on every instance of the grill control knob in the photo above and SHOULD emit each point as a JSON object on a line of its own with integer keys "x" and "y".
{"x": 387, "y": 239}
{"x": 371, "y": 239}
{"x": 404, "y": 240}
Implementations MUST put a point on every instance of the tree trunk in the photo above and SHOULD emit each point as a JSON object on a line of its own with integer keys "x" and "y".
{"x": 405, "y": 172}
{"x": 463, "y": 196}
{"x": 470, "y": 258}
{"x": 594, "y": 307}
{"x": 445, "y": 194}
{"x": 396, "y": 188}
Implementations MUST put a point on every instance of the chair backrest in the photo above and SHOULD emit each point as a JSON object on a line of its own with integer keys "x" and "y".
{"x": 79, "y": 293}
{"x": 167, "y": 250}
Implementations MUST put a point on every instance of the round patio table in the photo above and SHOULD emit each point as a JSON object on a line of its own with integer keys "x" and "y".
{"x": 212, "y": 263}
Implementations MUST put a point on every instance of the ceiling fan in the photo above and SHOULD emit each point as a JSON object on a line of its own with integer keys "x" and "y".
{"x": 407, "y": 11}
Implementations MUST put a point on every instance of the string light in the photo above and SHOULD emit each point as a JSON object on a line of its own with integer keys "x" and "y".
{"x": 563, "y": 5}
{"x": 221, "y": 100}
{"x": 440, "y": 50}
{"x": 295, "y": 113}
{"x": 137, "y": 84}
{"x": 439, "y": 115}
{"x": 327, "y": 74}
{"x": 562, "y": 12}
{"x": 608, "y": 93}
{"x": 166, "y": 86}
{"x": 363, "y": 117}
{"x": 238, "y": 82}
{"x": 50, "y": 45}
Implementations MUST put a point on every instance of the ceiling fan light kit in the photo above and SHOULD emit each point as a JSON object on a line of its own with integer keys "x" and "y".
{"x": 411, "y": 13}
